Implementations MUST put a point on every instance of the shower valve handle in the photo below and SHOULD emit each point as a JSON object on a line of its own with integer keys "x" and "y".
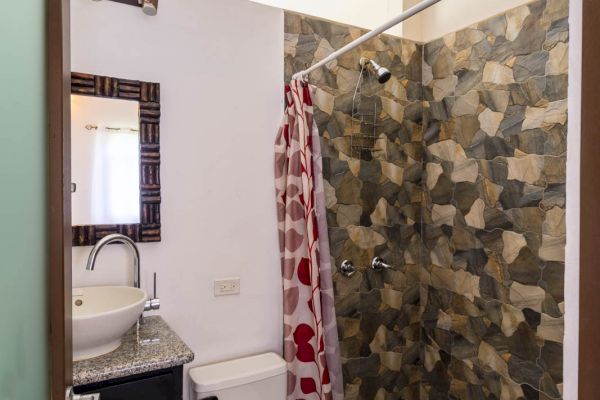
{"x": 347, "y": 269}
{"x": 378, "y": 264}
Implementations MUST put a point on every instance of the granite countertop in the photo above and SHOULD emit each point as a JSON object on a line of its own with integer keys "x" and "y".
{"x": 154, "y": 347}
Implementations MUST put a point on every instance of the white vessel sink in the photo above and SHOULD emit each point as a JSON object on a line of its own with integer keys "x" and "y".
{"x": 101, "y": 315}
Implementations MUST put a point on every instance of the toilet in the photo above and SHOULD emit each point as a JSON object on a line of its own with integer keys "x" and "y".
{"x": 260, "y": 377}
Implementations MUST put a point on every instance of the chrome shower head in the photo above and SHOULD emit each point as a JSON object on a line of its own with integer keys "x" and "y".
{"x": 383, "y": 74}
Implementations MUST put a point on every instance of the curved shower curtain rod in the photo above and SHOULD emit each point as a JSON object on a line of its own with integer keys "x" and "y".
{"x": 402, "y": 17}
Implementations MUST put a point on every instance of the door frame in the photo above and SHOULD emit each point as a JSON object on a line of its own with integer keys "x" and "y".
{"x": 589, "y": 292}
{"x": 58, "y": 80}
{"x": 59, "y": 200}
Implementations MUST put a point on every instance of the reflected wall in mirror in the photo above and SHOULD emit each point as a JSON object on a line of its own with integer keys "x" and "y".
{"x": 115, "y": 152}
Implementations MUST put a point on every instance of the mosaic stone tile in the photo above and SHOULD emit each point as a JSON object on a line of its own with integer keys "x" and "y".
{"x": 462, "y": 188}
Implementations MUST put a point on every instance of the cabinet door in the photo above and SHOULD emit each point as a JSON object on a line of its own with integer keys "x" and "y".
{"x": 166, "y": 385}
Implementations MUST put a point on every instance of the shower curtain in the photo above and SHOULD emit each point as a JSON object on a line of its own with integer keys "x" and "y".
{"x": 311, "y": 346}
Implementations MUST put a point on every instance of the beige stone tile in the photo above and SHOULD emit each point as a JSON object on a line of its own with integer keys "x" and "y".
{"x": 525, "y": 296}
{"x": 324, "y": 50}
{"x": 556, "y": 9}
{"x": 511, "y": 318}
{"x": 443, "y": 214}
{"x": 391, "y": 360}
{"x": 558, "y": 63}
{"x": 407, "y": 51}
{"x": 444, "y": 87}
{"x": 395, "y": 87}
{"x": 466, "y": 104}
{"x": 324, "y": 100}
{"x": 488, "y": 356}
{"x": 432, "y": 357}
{"x": 475, "y": 217}
{"x": 365, "y": 238}
{"x": 393, "y": 108}
{"x": 427, "y": 74}
{"x": 444, "y": 321}
{"x": 551, "y": 328}
{"x": 380, "y": 216}
{"x": 393, "y": 172}
{"x": 515, "y": 19}
{"x": 448, "y": 150}
{"x": 498, "y": 74}
{"x": 465, "y": 171}
{"x": 354, "y": 165}
{"x": 545, "y": 117}
{"x": 433, "y": 173}
{"x": 492, "y": 192}
{"x": 513, "y": 243}
{"x": 392, "y": 298}
{"x": 554, "y": 223}
{"x": 526, "y": 169}
{"x": 510, "y": 390}
{"x": 556, "y": 113}
{"x": 553, "y": 248}
{"x": 490, "y": 121}
{"x": 347, "y": 79}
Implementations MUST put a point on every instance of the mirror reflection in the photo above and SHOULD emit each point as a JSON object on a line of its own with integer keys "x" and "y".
{"x": 105, "y": 161}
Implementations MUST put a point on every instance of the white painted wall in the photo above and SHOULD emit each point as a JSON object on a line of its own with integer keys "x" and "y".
{"x": 443, "y": 18}
{"x": 571, "y": 341}
{"x": 367, "y": 14}
{"x": 452, "y": 15}
{"x": 220, "y": 66}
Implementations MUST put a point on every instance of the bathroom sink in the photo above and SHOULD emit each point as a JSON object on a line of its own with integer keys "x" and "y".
{"x": 101, "y": 316}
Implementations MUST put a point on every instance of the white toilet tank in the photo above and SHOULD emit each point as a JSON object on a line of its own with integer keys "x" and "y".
{"x": 261, "y": 377}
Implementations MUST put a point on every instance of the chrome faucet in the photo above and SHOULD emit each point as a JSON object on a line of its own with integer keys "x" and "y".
{"x": 117, "y": 238}
{"x": 152, "y": 304}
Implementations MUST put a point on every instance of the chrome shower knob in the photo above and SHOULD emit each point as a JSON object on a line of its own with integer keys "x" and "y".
{"x": 347, "y": 269}
{"x": 379, "y": 264}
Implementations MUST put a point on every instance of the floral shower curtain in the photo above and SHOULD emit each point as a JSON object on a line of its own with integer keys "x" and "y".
{"x": 311, "y": 346}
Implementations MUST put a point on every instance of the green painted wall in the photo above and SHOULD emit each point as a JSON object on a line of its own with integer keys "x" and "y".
{"x": 23, "y": 170}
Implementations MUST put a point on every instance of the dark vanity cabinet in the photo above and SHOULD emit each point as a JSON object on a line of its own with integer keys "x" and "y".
{"x": 165, "y": 384}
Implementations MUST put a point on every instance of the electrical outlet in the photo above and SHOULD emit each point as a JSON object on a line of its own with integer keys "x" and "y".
{"x": 225, "y": 287}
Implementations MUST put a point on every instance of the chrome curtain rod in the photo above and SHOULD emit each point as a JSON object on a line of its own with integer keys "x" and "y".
{"x": 377, "y": 31}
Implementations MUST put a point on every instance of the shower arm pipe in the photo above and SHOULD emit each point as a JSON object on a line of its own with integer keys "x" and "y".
{"x": 375, "y": 32}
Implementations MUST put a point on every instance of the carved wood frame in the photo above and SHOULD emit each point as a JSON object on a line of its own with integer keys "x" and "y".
{"x": 148, "y": 96}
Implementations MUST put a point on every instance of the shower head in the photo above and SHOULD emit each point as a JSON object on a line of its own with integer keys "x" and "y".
{"x": 383, "y": 74}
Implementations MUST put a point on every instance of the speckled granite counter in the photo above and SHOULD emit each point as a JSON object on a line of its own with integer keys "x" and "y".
{"x": 154, "y": 347}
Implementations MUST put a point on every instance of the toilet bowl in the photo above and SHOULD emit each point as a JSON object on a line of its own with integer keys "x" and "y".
{"x": 261, "y": 377}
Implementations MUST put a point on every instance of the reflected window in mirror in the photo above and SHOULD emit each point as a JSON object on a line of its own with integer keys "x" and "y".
{"x": 105, "y": 160}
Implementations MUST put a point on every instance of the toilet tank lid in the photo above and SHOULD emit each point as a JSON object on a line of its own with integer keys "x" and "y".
{"x": 241, "y": 371}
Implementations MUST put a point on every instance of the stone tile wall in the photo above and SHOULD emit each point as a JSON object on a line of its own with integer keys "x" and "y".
{"x": 461, "y": 188}
{"x": 373, "y": 200}
{"x": 495, "y": 110}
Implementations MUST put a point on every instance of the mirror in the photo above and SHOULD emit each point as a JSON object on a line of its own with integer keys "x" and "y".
{"x": 115, "y": 158}
{"x": 105, "y": 161}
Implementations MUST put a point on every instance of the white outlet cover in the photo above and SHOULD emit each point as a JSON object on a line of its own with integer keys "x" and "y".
{"x": 227, "y": 286}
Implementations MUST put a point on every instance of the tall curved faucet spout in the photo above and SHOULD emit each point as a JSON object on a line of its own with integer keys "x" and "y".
{"x": 117, "y": 238}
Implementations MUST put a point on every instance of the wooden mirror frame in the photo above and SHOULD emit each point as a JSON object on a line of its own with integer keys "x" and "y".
{"x": 148, "y": 96}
